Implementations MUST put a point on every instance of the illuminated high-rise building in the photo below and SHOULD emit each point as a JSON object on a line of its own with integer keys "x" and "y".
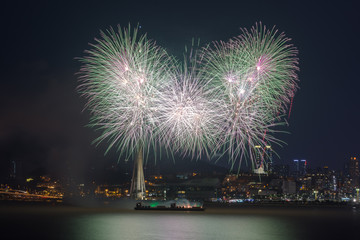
{"x": 257, "y": 156}
{"x": 259, "y": 160}
{"x": 354, "y": 171}
{"x": 299, "y": 167}
{"x": 302, "y": 167}
{"x": 295, "y": 168}
{"x": 263, "y": 159}
{"x": 269, "y": 158}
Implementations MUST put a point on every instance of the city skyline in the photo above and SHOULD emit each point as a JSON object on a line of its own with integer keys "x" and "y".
{"x": 41, "y": 119}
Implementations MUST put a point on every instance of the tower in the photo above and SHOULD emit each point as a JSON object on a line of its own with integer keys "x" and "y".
{"x": 137, "y": 189}
{"x": 263, "y": 159}
{"x": 259, "y": 163}
{"x": 302, "y": 167}
{"x": 257, "y": 155}
{"x": 296, "y": 168}
{"x": 268, "y": 158}
{"x": 354, "y": 171}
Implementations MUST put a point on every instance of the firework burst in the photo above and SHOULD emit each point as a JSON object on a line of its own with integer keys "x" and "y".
{"x": 255, "y": 75}
{"x": 232, "y": 94}
{"x": 121, "y": 77}
{"x": 189, "y": 117}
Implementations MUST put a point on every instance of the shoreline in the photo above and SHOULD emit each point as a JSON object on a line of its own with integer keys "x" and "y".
{"x": 39, "y": 208}
{"x": 119, "y": 203}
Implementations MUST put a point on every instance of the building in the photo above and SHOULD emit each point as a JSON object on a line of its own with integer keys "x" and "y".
{"x": 302, "y": 167}
{"x": 257, "y": 157}
{"x": 299, "y": 168}
{"x": 269, "y": 159}
{"x": 354, "y": 171}
{"x": 288, "y": 187}
{"x": 295, "y": 168}
{"x": 263, "y": 159}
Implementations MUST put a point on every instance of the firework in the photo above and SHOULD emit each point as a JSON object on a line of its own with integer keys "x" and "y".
{"x": 120, "y": 78}
{"x": 255, "y": 75}
{"x": 231, "y": 95}
{"x": 189, "y": 117}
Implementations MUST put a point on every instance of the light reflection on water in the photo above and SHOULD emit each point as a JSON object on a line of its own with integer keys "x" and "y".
{"x": 80, "y": 223}
{"x": 180, "y": 226}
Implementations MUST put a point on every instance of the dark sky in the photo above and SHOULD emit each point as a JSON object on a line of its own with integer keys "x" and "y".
{"x": 41, "y": 120}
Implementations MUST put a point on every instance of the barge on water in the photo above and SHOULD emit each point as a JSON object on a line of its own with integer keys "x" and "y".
{"x": 172, "y": 207}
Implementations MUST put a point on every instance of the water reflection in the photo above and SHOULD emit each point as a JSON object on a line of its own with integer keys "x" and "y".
{"x": 180, "y": 226}
{"x": 73, "y": 223}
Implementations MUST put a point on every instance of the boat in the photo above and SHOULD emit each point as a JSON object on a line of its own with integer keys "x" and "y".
{"x": 172, "y": 207}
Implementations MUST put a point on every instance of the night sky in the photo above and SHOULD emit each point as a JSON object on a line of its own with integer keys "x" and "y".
{"x": 41, "y": 118}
